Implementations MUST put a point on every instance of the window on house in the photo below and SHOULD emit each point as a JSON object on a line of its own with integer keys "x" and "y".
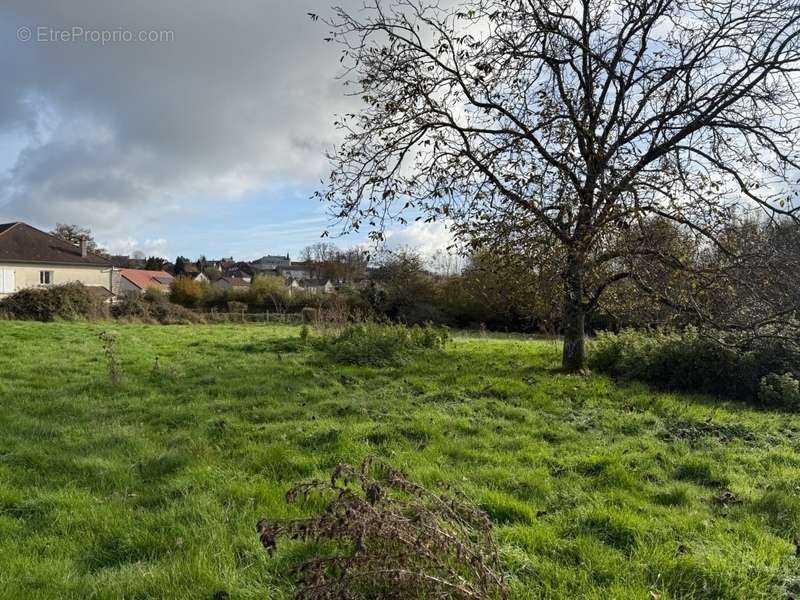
{"x": 7, "y": 281}
{"x": 46, "y": 277}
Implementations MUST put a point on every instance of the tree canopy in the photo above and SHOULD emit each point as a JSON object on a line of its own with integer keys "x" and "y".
{"x": 571, "y": 127}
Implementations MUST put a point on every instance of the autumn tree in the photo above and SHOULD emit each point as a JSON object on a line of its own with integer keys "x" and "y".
{"x": 569, "y": 122}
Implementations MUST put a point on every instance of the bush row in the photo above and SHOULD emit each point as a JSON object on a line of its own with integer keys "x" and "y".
{"x": 58, "y": 303}
{"x": 73, "y": 301}
{"x": 381, "y": 344}
{"x": 414, "y": 298}
{"x": 267, "y": 293}
{"x": 687, "y": 361}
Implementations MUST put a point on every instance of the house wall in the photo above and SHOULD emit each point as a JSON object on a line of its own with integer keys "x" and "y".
{"x": 126, "y": 287}
{"x": 300, "y": 274}
{"x": 26, "y": 275}
{"x": 116, "y": 282}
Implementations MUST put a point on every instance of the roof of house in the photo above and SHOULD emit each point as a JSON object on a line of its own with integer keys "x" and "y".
{"x": 298, "y": 266}
{"x": 315, "y": 282}
{"x": 19, "y": 242}
{"x": 270, "y": 260}
{"x": 234, "y": 271}
{"x": 234, "y": 281}
{"x": 147, "y": 279}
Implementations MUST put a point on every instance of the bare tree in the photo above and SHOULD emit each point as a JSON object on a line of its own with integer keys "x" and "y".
{"x": 334, "y": 264}
{"x": 74, "y": 234}
{"x": 746, "y": 289}
{"x": 571, "y": 121}
{"x": 446, "y": 263}
{"x": 319, "y": 252}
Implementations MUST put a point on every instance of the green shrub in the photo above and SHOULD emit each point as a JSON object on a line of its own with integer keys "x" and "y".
{"x": 186, "y": 292}
{"x": 268, "y": 292}
{"x": 68, "y": 302}
{"x": 382, "y": 345}
{"x": 779, "y": 391}
{"x": 153, "y": 294}
{"x": 688, "y": 361}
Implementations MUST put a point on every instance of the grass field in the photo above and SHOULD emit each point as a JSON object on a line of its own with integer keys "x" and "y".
{"x": 152, "y": 489}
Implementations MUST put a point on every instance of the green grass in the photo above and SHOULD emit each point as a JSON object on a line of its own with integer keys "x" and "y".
{"x": 152, "y": 489}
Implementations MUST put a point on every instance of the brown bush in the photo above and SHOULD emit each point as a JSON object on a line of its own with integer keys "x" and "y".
{"x": 395, "y": 539}
{"x": 133, "y": 307}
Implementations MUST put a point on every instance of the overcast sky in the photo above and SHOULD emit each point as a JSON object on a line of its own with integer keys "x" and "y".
{"x": 209, "y": 140}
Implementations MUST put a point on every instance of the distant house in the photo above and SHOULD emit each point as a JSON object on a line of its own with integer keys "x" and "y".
{"x": 317, "y": 286}
{"x": 242, "y": 270}
{"x": 239, "y": 272}
{"x": 298, "y": 270}
{"x": 269, "y": 263}
{"x": 129, "y": 281}
{"x": 221, "y": 264}
{"x": 227, "y": 283}
{"x": 31, "y": 258}
{"x": 121, "y": 261}
{"x": 202, "y": 278}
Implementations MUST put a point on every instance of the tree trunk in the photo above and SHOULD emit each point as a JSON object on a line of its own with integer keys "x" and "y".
{"x": 574, "y": 357}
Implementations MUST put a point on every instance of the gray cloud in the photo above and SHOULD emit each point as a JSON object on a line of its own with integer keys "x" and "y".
{"x": 243, "y": 95}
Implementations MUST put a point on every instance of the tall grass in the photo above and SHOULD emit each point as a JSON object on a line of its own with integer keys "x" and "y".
{"x": 596, "y": 489}
{"x": 381, "y": 344}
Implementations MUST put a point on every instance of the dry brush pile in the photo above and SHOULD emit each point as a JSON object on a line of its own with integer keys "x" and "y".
{"x": 381, "y": 536}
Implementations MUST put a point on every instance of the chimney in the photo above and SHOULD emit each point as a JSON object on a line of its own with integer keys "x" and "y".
{"x": 84, "y": 247}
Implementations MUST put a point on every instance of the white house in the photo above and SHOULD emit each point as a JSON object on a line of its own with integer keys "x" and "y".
{"x": 317, "y": 286}
{"x": 32, "y": 258}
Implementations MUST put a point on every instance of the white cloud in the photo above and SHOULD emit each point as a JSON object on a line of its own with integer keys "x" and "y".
{"x": 105, "y": 135}
{"x": 426, "y": 238}
{"x": 129, "y": 246}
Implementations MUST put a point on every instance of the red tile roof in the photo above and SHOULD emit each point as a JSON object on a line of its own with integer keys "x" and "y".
{"x": 19, "y": 242}
{"x": 147, "y": 279}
